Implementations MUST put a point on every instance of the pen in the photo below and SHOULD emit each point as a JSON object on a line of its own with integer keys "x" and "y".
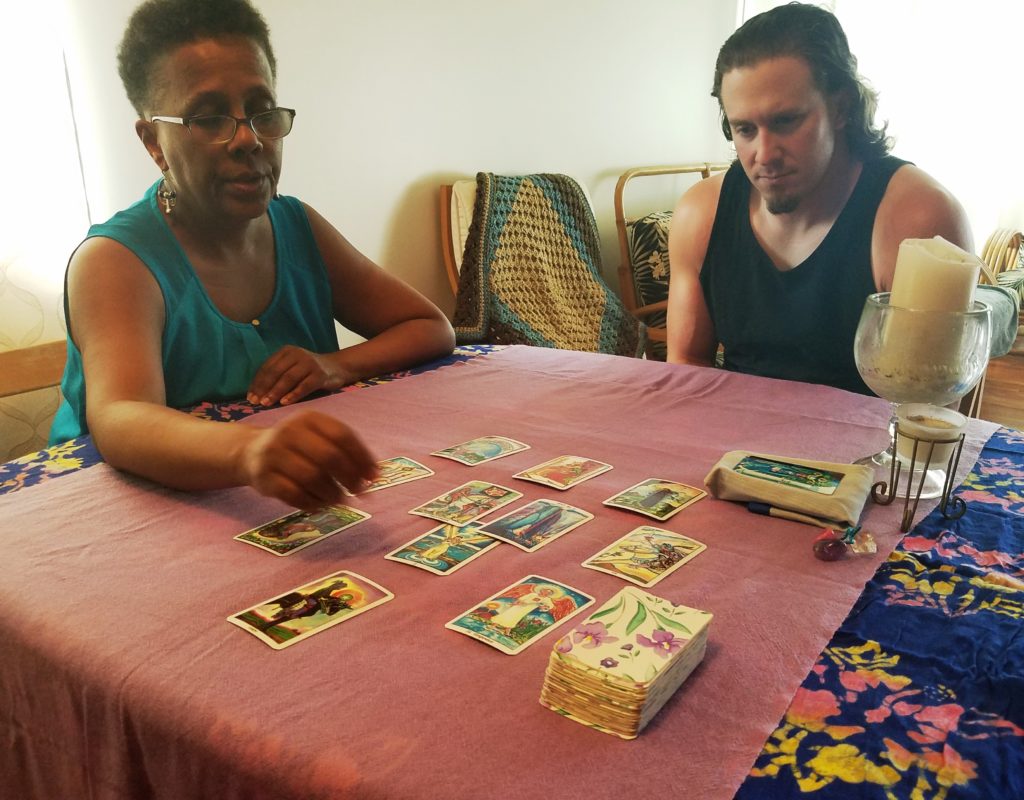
{"x": 771, "y": 511}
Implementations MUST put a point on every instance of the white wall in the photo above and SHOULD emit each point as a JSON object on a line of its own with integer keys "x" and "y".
{"x": 395, "y": 97}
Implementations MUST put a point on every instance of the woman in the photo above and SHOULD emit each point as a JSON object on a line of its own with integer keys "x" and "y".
{"x": 212, "y": 286}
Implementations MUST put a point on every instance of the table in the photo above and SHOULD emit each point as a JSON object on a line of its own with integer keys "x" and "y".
{"x": 119, "y": 675}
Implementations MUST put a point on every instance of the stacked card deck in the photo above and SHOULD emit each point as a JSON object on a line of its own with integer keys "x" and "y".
{"x": 618, "y": 667}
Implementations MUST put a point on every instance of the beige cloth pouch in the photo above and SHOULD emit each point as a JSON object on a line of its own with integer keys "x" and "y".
{"x": 816, "y": 492}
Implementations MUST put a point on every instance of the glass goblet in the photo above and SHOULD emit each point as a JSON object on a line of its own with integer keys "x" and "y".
{"x": 907, "y": 355}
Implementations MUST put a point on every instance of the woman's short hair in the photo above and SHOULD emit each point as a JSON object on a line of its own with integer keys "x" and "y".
{"x": 158, "y": 26}
{"x": 814, "y": 35}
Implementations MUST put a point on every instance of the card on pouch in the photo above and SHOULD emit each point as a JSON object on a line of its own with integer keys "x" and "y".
{"x": 284, "y": 620}
{"x": 484, "y": 448}
{"x": 520, "y": 614}
{"x": 534, "y": 525}
{"x": 299, "y": 529}
{"x": 813, "y": 480}
{"x": 468, "y": 502}
{"x": 645, "y": 555}
{"x": 564, "y": 471}
{"x": 444, "y": 549}
{"x": 394, "y": 471}
{"x": 657, "y": 498}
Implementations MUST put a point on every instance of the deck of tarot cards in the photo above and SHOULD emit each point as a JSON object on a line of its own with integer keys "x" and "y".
{"x": 619, "y": 666}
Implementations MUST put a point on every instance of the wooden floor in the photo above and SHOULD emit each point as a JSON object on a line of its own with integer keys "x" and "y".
{"x": 1003, "y": 400}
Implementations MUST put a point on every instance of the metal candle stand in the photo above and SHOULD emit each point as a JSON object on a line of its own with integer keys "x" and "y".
{"x": 951, "y": 507}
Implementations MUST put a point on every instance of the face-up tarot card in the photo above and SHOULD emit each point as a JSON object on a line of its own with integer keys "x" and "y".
{"x": 645, "y": 555}
{"x": 466, "y": 503}
{"x": 564, "y": 471}
{"x": 284, "y": 620}
{"x": 518, "y": 615}
{"x": 394, "y": 471}
{"x": 300, "y": 529}
{"x": 444, "y": 549}
{"x": 657, "y": 498}
{"x": 534, "y": 525}
{"x": 819, "y": 481}
{"x": 484, "y": 448}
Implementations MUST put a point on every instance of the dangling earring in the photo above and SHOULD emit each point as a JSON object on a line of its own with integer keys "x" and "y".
{"x": 167, "y": 195}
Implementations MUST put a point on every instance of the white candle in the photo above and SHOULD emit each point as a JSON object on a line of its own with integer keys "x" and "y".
{"x": 936, "y": 430}
{"x": 934, "y": 275}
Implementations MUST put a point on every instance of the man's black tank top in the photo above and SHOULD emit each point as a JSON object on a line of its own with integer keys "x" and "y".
{"x": 797, "y": 324}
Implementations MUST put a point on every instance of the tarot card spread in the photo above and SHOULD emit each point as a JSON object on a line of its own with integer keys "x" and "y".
{"x": 300, "y": 529}
{"x": 657, "y": 498}
{"x": 468, "y": 502}
{"x": 444, "y": 549}
{"x": 282, "y": 621}
{"x": 484, "y": 448}
{"x": 618, "y": 667}
{"x": 645, "y": 555}
{"x": 563, "y": 472}
{"x": 518, "y": 615}
{"x": 535, "y": 524}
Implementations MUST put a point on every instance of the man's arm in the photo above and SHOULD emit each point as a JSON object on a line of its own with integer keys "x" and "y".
{"x": 691, "y": 335}
{"x": 915, "y": 206}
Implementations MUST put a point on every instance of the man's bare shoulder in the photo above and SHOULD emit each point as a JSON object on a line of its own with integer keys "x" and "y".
{"x": 918, "y": 206}
{"x": 692, "y": 221}
{"x": 701, "y": 199}
{"x": 915, "y": 206}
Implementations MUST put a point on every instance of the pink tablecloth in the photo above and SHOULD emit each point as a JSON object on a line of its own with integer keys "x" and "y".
{"x": 119, "y": 675}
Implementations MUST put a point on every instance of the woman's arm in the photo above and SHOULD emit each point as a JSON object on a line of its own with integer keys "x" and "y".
{"x": 400, "y": 325}
{"x": 117, "y": 319}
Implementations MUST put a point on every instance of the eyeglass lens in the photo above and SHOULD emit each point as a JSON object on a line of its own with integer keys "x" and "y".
{"x": 273, "y": 124}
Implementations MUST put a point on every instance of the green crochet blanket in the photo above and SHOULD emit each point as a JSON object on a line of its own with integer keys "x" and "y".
{"x": 531, "y": 271}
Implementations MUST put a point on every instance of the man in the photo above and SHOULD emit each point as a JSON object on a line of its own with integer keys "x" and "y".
{"x": 773, "y": 259}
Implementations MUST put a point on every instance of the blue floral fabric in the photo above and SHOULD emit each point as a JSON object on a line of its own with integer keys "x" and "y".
{"x": 920, "y": 693}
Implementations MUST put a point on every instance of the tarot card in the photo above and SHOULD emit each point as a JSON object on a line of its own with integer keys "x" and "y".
{"x": 645, "y": 555}
{"x": 534, "y": 525}
{"x": 299, "y": 529}
{"x": 444, "y": 549}
{"x": 394, "y": 471}
{"x": 484, "y": 448}
{"x": 820, "y": 481}
{"x": 468, "y": 502}
{"x": 657, "y": 498}
{"x": 282, "y": 621}
{"x": 520, "y": 614}
{"x": 564, "y": 471}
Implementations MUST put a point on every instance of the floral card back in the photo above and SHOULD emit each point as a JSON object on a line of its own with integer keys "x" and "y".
{"x": 634, "y": 636}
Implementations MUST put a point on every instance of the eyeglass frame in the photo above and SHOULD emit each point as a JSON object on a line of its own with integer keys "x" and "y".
{"x": 187, "y": 123}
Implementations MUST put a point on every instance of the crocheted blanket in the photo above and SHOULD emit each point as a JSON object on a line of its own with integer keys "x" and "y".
{"x": 531, "y": 271}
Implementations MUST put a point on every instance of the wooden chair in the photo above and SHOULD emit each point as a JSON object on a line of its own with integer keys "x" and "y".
{"x": 30, "y": 368}
{"x": 25, "y": 420}
{"x": 542, "y": 284}
{"x": 456, "y": 212}
{"x": 457, "y": 202}
{"x": 1001, "y": 251}
{"x": 643, "y": 240}
{"x": 1000, "y": 254}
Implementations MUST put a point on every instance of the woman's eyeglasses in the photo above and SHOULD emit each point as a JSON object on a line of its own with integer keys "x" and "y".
{"x": 218, "y": 128}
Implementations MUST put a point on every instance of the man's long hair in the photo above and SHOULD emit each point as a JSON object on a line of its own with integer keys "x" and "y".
{"x": 814, "y": 35}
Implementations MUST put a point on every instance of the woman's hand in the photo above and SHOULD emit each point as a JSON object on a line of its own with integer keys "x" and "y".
{"x": 291, "y": 374}
{"x": 306, "y": 460}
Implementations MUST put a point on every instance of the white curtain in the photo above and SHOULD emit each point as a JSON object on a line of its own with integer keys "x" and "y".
{"x": 42, "y": 204}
